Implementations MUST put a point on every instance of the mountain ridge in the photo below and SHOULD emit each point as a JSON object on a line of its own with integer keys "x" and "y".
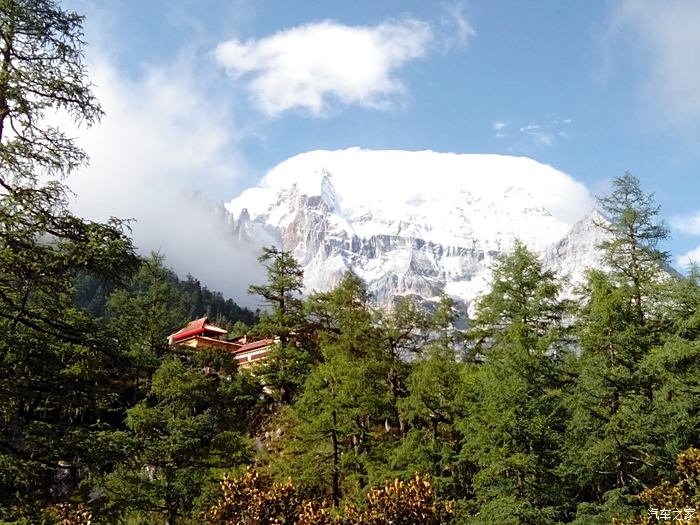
{"x": 416, "y": 223}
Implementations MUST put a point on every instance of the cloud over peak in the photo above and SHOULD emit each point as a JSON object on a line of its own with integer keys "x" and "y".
{"x": 689, "y": 224}
{"x": 318, "y": 66}
{"x": 665, "y": 35}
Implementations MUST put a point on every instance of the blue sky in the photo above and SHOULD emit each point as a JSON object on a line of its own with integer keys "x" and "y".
{"x": 211, "y": 94}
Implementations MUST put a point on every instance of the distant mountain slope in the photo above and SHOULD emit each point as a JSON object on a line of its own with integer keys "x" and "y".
{"x": 91, "y": 295}
{"x": 416, "y": 222}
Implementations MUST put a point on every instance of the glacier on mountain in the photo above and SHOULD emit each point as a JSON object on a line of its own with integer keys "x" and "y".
{"x": 416, "y": 223}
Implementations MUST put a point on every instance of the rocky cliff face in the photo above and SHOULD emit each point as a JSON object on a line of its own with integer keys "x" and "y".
{"x": 416, "y": 222}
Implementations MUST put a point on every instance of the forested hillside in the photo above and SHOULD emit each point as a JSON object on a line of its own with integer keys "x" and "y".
{"x": 91, "y": 294}
{"x": 544, "y": 410}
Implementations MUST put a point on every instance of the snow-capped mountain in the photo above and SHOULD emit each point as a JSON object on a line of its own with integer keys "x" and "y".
{"x": 416, "y": 222}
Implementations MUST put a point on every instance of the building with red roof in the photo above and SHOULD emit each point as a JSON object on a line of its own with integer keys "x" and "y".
{"x": 194, "y": 329}
{"x": 252, "y": 352}
{"x": 200, "y": 334}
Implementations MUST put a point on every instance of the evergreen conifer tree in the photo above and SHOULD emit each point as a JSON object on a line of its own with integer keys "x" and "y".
{"x": 432, "y": 409}
{"x": 292, "y": 357}
{"x": 613, "y": 442}
{"x": 190, "y": 426}
{"x": 632, "y": 252}
{"x": 281, "y": 294}
{"x": 513, "y": 421}
{"x": 142, "y": 315}
{"x": 344, "y": 399}
{"x": 58, "y": 365}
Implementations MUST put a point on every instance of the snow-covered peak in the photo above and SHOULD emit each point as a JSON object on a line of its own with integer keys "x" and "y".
{"x": 328, "y": 193}
{"x": 416, "y": 222}
{"x": 414, "y": 177}
{"x": 440, "y": 197}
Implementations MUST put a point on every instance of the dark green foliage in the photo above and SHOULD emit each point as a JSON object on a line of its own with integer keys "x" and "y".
{"x": 334, "y": 419}
{"x": 343, "y": 310}
{"x": 518, "y": 432}
{"x": 91, "y": 294}
{"x": 549, "y": 416}
{"x": 431, "y": 407}
{"x": 190, "y": 424}
{"x": 522, "y": 307}
{"x": 632, "y": 251}
{"x": 512, "y": 420}
{"x": 195, "y": 414}
{"x": 281, "y": 294}
{"x": 287, "y": 367}
{"x": 344, "y": 397}
{"x": 608, "y": 399}
{"x": 41, "y": 69}
{"x": 291, "y": 360}
{"x": 144, "y": 311}
{"x": 58, "y": 366}
{"x": 404, "y": 334}
{"x": 431, "y": 410}
{"x": 633, "y": 403}
{"x": 200, "y": 301}
{"x": 143, "y": 314}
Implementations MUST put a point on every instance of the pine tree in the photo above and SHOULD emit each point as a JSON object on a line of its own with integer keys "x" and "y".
{"x": 343, "y": 399}
{"x": 191, "y": 425}
{"x": 142, "y": 315}
{"x": 431, "y": 408}
{"x": 281, "y": 294}
{"x": 613, "y": 441}
{"x": 632, "y": 252}
{"x": 292, "y": 357}
{"x": 522, "y": 307}
{"x": 404, "y": 332}
{"x": 513, "y": 421}
{"x": 56, "y": 378}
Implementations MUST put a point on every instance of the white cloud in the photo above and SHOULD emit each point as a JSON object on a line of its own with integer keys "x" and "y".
{"x": 161, "y": 137}
{"x": 687, "y": 223}
{"x": 458, "y": 29}
{"x": 316, "y": 66}
{"x": 687, "y": 259}
{"x": 538, "y": 134}
{"x": 664, "y": 34}
{"x": 526, "y": 136}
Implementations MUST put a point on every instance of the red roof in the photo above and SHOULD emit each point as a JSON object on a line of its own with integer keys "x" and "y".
{"x": 199, "y": 326}
{"x": 254, "y": 345}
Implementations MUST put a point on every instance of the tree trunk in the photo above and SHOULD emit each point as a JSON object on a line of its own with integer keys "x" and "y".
{"x": 336, "y": 471}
